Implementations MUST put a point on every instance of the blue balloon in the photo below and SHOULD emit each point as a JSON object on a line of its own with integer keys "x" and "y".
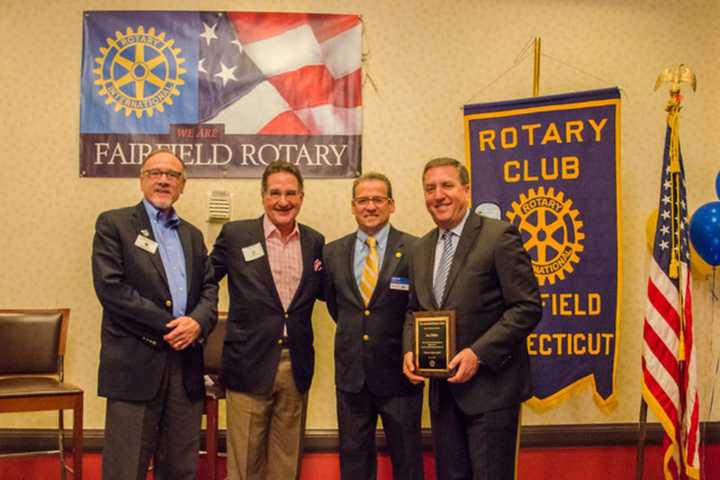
{"x": 705, "y": 232}
{"x": 717, "y": 184}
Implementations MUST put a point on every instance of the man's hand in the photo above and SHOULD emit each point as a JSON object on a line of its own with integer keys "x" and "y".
{"x": 409, "y": 369}
{"x": 183, "y": 332}
{"x": 467, "y": 364}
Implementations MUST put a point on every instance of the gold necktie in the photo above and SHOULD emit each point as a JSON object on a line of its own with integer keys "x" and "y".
{"x": 369, "y": 277}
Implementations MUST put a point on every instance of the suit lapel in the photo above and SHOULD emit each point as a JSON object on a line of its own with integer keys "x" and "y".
{"x": 347, "y": 252}
{"x": 390, "y": 262}
{"x": 141, "y": 223}
{"x": 427, "y": 260}
{"x": 307, "y": 262}
{"x": 465, "y": 244}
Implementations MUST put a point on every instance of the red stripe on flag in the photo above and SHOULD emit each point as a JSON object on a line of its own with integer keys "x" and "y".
{"x": 306, "y": 87}
{"x": 314, "y": 85}
{"x": 327, "y": 26}
{"x": 348, "y": 90}
{"x": 251, "y": 27}
{"x": 287, "y": 123}
{"x": 660, "y": 395}
{"x": 667, "y": 358}
{"x": 693, "y": 431}
{"x": 663, "y": 307}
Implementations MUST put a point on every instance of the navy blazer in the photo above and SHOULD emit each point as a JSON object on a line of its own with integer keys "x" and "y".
{"x": 132, "y": 287}
{"x": 368, "y": 341}
{"x": 255, "y": 321}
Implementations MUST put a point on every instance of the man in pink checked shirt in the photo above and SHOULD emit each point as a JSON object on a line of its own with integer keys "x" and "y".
{"x": 274, "y": 271}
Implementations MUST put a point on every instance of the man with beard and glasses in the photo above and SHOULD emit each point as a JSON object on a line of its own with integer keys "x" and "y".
{"x": 154, "y": 280}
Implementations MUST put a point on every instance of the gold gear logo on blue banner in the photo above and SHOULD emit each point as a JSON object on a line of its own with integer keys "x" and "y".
{"x": 139, "y": 72}
{"x": 550, "y": 166}
{"x": 553, "y": 227}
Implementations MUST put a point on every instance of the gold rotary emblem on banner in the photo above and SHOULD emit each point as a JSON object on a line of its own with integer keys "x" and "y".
{"x": 139, "y": 71}
{"x": 552, "y": 232}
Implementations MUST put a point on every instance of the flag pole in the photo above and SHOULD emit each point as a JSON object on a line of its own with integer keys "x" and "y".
{"x": 674, "y": 76}
{"x": 642, "y": 433}
{"x": 673, "y": 108}
{"x": 536, "y": 68}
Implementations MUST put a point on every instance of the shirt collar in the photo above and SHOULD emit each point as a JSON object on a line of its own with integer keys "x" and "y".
{"x": 269, "y": 229}
{"x": 169, "y": 219}
{"x": 380, "y": 236}
{"x": 457, "y": 229}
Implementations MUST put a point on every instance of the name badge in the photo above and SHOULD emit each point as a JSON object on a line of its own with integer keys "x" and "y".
{"x": 253, "y": 252}
{"x": 400, "y": 283}
{"x": 146, "y": 244}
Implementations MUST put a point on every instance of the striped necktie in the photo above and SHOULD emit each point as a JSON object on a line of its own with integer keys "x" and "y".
{"x": 369, "y": 277}
{"x": 443, "y": 267}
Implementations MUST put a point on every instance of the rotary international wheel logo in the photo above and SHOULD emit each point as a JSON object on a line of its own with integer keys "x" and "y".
{"x": 551, "y": 230}
{"x": 139, "y": 71}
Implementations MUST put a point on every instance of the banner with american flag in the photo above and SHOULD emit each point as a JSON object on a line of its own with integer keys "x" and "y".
{"x": 669, "y": 380}
{"x": 227, "y": 92}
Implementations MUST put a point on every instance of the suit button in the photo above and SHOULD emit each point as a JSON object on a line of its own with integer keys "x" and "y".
{"x": 366, "y": 313}
{"x": 286, "y": 316}
{"x": 366, "y": 337}
{"x": 168, "y": 303}
{"x": 279, "y": 342}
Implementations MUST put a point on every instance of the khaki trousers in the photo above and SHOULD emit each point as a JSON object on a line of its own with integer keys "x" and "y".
{"x": 265, "y": 431}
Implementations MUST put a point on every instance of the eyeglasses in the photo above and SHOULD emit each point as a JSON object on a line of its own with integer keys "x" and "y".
{"x": 156, "y": 174}
{"x": 365, "y": 201}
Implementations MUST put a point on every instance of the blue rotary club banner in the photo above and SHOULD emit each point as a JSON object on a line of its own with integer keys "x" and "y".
{"x": 550, "y": 165}
{"x": 227, "y": 92}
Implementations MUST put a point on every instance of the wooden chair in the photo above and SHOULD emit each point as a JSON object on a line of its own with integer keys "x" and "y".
{"x": 31, "y": 372}
{"x": 214, "y": 391}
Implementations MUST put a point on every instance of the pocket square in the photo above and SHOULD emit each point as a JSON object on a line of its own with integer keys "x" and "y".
{"x": 317, "y": 265}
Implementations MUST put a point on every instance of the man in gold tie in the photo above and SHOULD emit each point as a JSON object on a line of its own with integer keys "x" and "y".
{"x": 366, "y": 294}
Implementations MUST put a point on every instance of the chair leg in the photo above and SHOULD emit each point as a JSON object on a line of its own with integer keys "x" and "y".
{"x": 211, "y": 436}
{"x": 61, "y": 443}
{"x": 78, "y": 438}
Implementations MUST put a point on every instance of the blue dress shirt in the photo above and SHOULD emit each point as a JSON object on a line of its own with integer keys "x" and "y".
{"x": 362, "y": 250}
{"x": 164, "y": 229}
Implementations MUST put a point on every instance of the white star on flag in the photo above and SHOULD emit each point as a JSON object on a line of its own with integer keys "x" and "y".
{"x": 239, "y": 45}
{"x": 226, "y": 73}
{"x": 209, "y": 33}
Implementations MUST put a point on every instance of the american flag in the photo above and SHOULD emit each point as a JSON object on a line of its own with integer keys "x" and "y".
{"x": 280, "y": 73}
{"x": 669, "y": 380}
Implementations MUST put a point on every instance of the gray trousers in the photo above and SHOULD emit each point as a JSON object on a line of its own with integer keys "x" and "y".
{"x": 168, "y": 427}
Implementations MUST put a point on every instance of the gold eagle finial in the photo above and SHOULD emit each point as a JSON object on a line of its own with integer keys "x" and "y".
{"x": 675, "y": 76}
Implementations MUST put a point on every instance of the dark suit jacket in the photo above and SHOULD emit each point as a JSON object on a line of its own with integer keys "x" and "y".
{"x": 255, "y": 322}
{"x": 376, "y": 361}
{"x": 493, "y": 290}
{"x": 132, "y": 287}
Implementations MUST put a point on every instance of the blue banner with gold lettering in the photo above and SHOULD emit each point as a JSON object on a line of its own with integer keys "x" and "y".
{"x": 550, "y": 165}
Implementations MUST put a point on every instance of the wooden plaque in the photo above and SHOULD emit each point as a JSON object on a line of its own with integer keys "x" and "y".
{"x": 434, "y": 342}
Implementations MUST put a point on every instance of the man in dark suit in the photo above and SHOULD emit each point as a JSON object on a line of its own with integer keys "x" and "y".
{"x": 366, "y": 293}
{"x": 273, "y": 265}
{"x": 155, "y": 283}
{"x": 477, "y": 267}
